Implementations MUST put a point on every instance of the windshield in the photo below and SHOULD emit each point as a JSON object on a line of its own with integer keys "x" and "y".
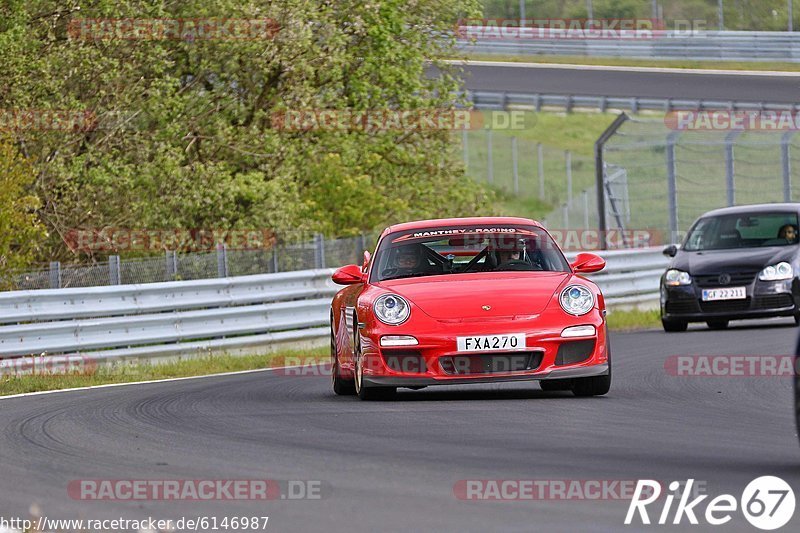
{"x": 747, "y": 230}
{"x": 452, "y": 251}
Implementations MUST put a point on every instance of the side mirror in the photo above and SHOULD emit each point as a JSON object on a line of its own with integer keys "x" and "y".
{"x": 348, "y": 275}
{"x": 670, "y": 250}
{"x": 585, "y": 263}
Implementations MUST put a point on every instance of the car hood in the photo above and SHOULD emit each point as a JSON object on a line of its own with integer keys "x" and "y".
{"x": 735, "y": 260}
{"x": 464, "y": 295}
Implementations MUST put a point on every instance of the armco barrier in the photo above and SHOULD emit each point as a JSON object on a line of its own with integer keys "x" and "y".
{"x": 162, "y": 320}
{"x": 701, "y": 45}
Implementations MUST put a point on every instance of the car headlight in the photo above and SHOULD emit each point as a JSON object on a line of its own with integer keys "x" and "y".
{"x": 577, "y": 300}
{"x": 677, "y": 277}
{"x": 392, "y": 309}
{"x": 782, "y": 270}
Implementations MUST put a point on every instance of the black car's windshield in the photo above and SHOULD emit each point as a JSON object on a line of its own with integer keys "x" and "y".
{"x": 440, "y": 251}
{"x": 746, "y": 230}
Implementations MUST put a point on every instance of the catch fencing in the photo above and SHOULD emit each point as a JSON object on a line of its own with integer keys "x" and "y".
{"x": 51, "y": 327}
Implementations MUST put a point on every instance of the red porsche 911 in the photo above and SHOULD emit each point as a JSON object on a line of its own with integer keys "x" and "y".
{"x": 468, "y": 300}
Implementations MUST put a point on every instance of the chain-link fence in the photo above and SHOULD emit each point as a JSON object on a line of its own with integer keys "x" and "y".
{"x": 656, "y": 179}
{"x": 175, "y": 266}
{"x": 526, "y": 169}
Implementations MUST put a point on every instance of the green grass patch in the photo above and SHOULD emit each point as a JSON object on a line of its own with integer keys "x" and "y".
{"x": 633, "y": 319}
{"x": 624, "y": 62}
{"x": 126, "y": 373}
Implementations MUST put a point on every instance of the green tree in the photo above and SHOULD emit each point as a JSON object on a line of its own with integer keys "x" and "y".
{"x": 21, "y": 234}
{"x": 184, "y": 134}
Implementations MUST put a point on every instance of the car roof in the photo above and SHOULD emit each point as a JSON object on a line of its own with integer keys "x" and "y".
{"x": 755, "y": 208}
{"x": 468, "y": 221}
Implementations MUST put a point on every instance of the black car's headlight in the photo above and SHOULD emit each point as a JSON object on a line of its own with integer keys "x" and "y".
{"x": 391, "y": 309}
{"x": 676, "y": 277}
{"x": 782, "y": 270}
{"x": 576, "y": 300}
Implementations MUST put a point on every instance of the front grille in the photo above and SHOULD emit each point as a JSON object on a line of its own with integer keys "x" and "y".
{"x": 725, "y": 306}
{"x": 406, "y": 361}
{"x": 494, "y": 363}
{"x": 773, "y": 301}
{"x": 737, "y": 279}
{"x": 682, "y": 306}
{"x": 573, "y": 352}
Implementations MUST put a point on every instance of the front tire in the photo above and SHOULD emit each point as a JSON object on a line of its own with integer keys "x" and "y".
{"x": 341, "y": 386}
{"x": 368, "y": 393}
{"x": 674, "y": 326}
{"x": 595, "y": 385}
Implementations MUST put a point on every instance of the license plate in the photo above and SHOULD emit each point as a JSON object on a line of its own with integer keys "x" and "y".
{"x": 492, "y": 343}
{"x": 728, "y": 293}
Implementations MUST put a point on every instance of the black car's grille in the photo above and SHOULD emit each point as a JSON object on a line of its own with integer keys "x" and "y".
{"x": 682, "y": 306}
{"x": 495, "y": 363}
{"x": 773, "y": 301}
{"x": 737, "y": 278}
{"x": 725, "y": 306}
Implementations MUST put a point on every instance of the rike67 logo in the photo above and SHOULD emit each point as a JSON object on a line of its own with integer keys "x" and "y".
{"x": 767, "y": 502}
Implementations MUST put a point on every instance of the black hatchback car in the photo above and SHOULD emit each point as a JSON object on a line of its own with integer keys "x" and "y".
{"x": 735, "y": 263}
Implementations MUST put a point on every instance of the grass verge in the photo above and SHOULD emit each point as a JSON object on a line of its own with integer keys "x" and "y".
{"x": 623, "y": 62}
{"x": 127, "y": 373}
{"x": 634, "y": 319}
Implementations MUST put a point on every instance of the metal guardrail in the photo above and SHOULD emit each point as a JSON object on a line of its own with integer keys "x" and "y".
{"x": 159, "y": 320}
{"x": 704, "y": 46}
{"x": 536, "y": 101}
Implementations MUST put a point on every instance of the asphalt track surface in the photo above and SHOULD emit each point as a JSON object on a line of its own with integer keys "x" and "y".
{"x": 392, "y": 466}
{"x": 624, "y": 83}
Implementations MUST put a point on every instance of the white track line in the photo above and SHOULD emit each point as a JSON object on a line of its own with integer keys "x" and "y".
{"x": 615, "y": 68}
{"x": 167, "y": 380}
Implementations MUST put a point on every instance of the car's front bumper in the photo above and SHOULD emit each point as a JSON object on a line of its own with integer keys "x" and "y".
{"x": 764, "y": 299}
{"x": 436, "y": 361}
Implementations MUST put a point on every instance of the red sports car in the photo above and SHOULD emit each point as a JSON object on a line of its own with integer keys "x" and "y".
{"x": 468, "y": 300}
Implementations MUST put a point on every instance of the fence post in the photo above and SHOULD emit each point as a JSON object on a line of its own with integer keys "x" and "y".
{"x": 489, "y": 161}
{"x": 600, "y": 176}
{"x": 465, "y": 147}
{"x": 585, "y": 209}
{"x": 568, "y": 161}
{"x": 55, "y": 274}
{"x": 786, "y": 165}
{"x": 522, "y": 13}
{"x": 319, "y": 250}
{"x": 113, "y": 270}
{"x": 222, "y": 260}
{"x": 540, "y": 161}
{"x": 515, "y": 163}
{"x": 565, "y": 215}
{"x": 672, "y": 189}
{"x": 275, "y": 264}
{"x": 171, "y": 260}
{"x": 730, "y": 180}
